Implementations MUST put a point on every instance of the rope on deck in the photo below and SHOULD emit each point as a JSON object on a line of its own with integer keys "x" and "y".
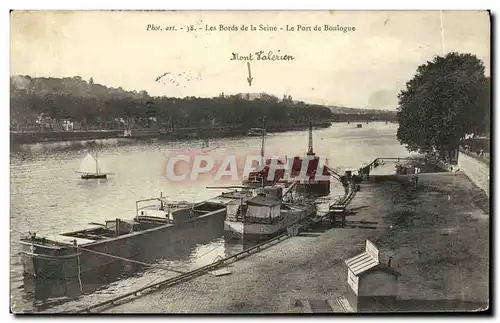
{"x": 139, "y": 262}
{"x": 185, "y": 276}
{"x": 79, "y": 271}
{"x": 132, "y": 261}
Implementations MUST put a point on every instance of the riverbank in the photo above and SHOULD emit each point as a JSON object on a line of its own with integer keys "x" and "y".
{"x": 437, "y": 236}
{"x": 179, "y": 133}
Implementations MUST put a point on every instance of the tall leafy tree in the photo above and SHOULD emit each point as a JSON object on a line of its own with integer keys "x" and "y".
{"x": 485, "y": 123}
{"x": 443, "y": 102}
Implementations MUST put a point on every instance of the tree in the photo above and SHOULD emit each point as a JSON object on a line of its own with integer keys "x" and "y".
{"x": 484, "y": 124}
{"x": 151, "y": 112}
{"x": 442, "y": 103}
{"x": 92, "y": 104}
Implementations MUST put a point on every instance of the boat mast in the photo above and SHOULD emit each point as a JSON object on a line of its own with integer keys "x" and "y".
{"x": 262, "y": 146}
{"x": 263, "y": 136}
{"x": 240, "y": 210}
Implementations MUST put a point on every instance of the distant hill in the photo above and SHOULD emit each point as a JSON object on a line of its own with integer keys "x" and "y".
{"x": 30, "y": 96}
{"x": 345, "y": 110}
{"x": 262, "y": 95}
{"x": 34, "y": 99}
{"x": 75, "y": 86}
{"x": 334, "y": 108}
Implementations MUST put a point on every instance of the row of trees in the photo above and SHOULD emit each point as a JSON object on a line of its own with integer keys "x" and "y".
{"x": 93, "y": 107}
{"x": 447, "y": 99}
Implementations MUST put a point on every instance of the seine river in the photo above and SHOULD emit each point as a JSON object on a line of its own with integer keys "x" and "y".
{"x": 47, "y": 196}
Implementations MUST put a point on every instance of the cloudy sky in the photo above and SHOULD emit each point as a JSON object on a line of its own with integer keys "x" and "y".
{"x": 362, "y": 68}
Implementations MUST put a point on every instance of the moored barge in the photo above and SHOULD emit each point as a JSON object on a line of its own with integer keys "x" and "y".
{"x": 74, "y": 253}
{"x": 264, "y": 215}
{"x": 317, "y": 175}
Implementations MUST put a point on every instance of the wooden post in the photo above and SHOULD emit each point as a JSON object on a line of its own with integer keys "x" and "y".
{"x": 78, "y": 264}
{"x": 333, "y": 219}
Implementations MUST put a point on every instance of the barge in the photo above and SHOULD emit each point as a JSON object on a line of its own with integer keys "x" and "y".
{"x": 72, "y": 254}
{"x": 261, "y": 177}
{"x": 310, "y": 184}
{"x": 264, "y": 215}
{"x": 316, "y": 181}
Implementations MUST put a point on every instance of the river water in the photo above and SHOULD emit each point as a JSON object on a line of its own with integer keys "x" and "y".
{"x": 48, "y": 197}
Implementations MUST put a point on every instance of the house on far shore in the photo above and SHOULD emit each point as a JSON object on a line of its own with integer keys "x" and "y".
{"x": 45, "y": 123}
{"x": 67, "y": 125}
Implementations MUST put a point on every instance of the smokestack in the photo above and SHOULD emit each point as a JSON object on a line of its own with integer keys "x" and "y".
{"x": 310, "y": 145}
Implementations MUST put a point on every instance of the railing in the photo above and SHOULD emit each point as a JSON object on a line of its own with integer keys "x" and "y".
{"x": 485, "y": 158}
{"x": 184, "y": 276}
{"x": 347, "y": 198}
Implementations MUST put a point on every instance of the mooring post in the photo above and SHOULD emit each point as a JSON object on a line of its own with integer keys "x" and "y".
{"x": 333, "y": 219}
{"x": 78, "y": 264}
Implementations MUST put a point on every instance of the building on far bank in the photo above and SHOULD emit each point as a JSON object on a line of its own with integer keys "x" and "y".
{"x": 67, "y": 125}
{"x": 45, "y": 123}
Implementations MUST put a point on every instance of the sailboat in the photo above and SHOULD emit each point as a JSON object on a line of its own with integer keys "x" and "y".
{"x": 91, "y": 169}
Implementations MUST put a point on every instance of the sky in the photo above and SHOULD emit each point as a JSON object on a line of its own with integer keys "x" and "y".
{"x": 365, "y": 68}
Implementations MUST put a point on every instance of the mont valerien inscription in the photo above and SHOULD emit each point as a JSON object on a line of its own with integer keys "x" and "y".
{"x": 202, "y": 27}
{"x": 262, "y": 56}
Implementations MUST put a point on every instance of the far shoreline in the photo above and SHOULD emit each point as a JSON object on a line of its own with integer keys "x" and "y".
{"x": 34, "y": 137}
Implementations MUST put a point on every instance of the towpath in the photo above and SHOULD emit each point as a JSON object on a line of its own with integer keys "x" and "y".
{"x": 437, "y": 235}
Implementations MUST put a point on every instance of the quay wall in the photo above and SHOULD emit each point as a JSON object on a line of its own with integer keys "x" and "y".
{"x": 34, "y": 137}
{"x": 475, "y": 168}
{"x": 180, "y": 133}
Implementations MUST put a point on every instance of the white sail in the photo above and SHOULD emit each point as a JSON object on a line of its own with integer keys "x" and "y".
{"x": 88, "y": 165}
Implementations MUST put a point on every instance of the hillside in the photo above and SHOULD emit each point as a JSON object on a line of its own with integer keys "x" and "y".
{"x": 76, "y": 86}
{"x": 334, "y": 108}
{"x": 94, "y": 105}
{"x": 345, "y": 110}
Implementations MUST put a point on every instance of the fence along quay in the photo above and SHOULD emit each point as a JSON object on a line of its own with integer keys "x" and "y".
{"x": 184, "y": 276}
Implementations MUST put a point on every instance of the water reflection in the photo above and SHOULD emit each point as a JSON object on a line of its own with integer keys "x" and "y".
{"x": 45, "y": 293}
{"x": 67, "y": 145}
